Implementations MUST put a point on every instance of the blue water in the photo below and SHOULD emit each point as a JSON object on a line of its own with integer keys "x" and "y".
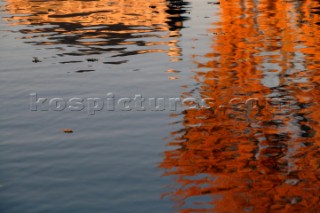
{"x": 110, "y": 162}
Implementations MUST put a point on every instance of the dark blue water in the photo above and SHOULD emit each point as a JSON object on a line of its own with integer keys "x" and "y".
{"x": 110, "y": 162}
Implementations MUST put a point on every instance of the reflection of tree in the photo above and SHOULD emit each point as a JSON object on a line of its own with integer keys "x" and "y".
{"x": 261, "y": 158}
{"x": 126, "y": 27}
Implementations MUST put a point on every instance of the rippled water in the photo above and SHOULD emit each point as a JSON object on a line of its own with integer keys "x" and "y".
{"x": 256, "y": 149}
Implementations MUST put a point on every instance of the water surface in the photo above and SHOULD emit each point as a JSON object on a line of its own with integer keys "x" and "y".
{"x": 256, "y": 149}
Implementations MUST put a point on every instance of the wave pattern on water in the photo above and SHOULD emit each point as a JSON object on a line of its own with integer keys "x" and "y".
{"x": 117, "y": 28}
{"x": 257, "y": 148}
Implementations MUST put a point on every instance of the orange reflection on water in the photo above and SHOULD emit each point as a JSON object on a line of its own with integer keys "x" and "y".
{"x": 261, "y": 155}
{"x": 101, "y": 26}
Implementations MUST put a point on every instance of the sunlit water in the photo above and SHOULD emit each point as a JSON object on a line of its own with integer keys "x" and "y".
{"x": 256, "y": 149}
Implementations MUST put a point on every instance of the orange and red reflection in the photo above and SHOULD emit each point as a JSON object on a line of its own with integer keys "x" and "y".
{"x": 263, "y": 158}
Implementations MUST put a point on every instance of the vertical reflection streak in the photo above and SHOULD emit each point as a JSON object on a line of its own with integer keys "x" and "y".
{"x": 256, "y": 148}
